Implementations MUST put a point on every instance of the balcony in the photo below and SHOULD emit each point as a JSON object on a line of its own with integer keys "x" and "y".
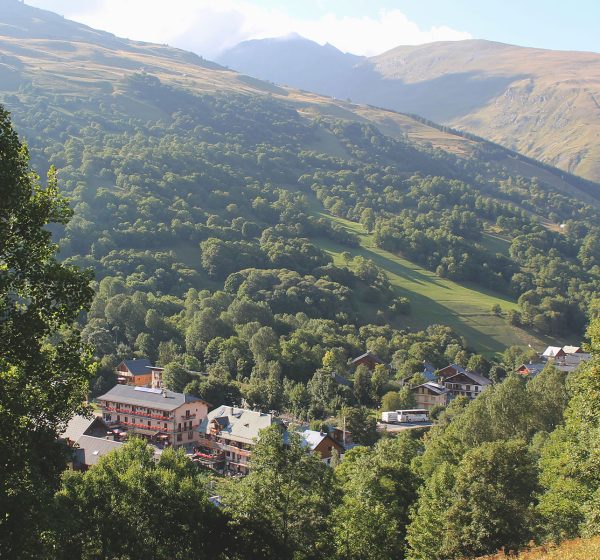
{"x": 188, "y": 416}
{"x": 130, "y": 412}
{"x": 144, "y": 427}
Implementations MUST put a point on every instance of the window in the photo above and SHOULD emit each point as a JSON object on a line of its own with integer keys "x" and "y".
{"x": 148, "y": 423}
{"x": 179, "y": 438}
{"x": 190, "y": 435}
{"x": 118, "y": 418}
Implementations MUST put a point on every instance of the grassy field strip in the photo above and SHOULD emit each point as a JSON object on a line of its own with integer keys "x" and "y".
{"x": 465, "y": 308}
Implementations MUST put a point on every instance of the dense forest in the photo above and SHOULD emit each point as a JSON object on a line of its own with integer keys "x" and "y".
{"x": 200, "y": 228}
{"x": 515, "y": 465}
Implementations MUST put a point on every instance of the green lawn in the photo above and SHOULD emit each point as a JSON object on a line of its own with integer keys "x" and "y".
{"x": 464, "y": 307}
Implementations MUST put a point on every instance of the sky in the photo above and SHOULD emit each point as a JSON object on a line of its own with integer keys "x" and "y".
{"x": 363, "y": 27}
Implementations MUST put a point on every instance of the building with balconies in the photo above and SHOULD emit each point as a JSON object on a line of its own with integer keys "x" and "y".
{"x": 158, "y": 415}
{"x": 228, "y": 435}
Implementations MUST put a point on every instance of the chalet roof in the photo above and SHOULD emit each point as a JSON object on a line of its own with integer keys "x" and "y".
{"x": 571, "y": 349}
{"x": 570, "y": 362}
{"x": 237, "y": 424}
{"x": 374, "y": 357}
{"x": 313, "y": 438}
{"x": 341, "y": 380}
{"x": 138, "y": 367}
{"x": 433, "y": 387}
{"x": 428, "y": 375}
{"x": 475, "y": 377}
{"x": 160, "y": 399}
{"x": 455, "y": 367}
{"x": 533, "y": 369}
{"x": 92, "y": 448}
{"x": 551, "y": 351}
{"x": 80, "y": 425}
{"x": 428, "y": 368}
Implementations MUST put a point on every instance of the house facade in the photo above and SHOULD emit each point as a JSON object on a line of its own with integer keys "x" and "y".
{"x": 160, "y": 416}
{"x": 467, "y": 383}
{"x": 430, "y": 394}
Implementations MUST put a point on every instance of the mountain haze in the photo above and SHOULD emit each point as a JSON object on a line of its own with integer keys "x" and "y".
{"x": 542, "y": 103}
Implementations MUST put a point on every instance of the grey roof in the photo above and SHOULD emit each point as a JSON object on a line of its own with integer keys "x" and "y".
{"x": 80, "y": 425}
{"x": 138, "y": 367}
{"x": 92, "y": 448}
{"x": 161, "y": 399}
{"x": 237, "y": 424}
{"x": 313, "y": 438}
{"x": 433, "y": 387}
{"x": 479, "y": 379}
{"x": 341, "y": 380}
{"x": 570, "y": 362}
{"x": 534, "y": 369}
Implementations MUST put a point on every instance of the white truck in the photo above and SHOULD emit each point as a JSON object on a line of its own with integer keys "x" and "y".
{"x": 389, "y": 417}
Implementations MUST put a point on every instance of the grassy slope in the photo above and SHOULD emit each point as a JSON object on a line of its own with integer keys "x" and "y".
{"x": 465, "y": 308}
{"x": 578, "y": 549}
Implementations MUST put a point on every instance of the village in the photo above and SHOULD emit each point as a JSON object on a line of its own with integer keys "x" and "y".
{"x": 221, "y": 436}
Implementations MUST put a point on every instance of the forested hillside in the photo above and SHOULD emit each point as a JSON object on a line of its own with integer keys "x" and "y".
{"x": 217, "y": 209}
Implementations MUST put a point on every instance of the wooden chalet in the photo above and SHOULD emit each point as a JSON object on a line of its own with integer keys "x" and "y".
{"x": 367, "y": 359}
{"x": 137, "y": 373}
{"x": 530, "y": 370}
{"x": 321, "y": 444}
{"x": 450, "y": 370}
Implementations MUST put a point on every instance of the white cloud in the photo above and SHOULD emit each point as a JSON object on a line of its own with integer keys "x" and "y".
{"x": 208, "y": 27}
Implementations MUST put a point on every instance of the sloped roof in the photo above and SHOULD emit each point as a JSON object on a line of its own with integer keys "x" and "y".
{"x": 433, "y": 387}
{"x": 341, "y": 380}
{"x": 237, "y": 424}
{"x": 138, "y": 367}
{"x": 551, "y": 351}
{"x": 455, "y": 367}
{"x": 368, "y": 355}
{"x": 313, "y": 438}
{"x": 479, "y": 379}
{"x": 571, "y": 349}
{"x": 92, "y": 448}
{"x": 161, "y": 399}
{"x": 80, "y": 425}
{"x": 533, "y": 369}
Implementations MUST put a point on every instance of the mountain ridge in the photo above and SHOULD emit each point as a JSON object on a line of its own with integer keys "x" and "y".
{"x": 537, "y": 102}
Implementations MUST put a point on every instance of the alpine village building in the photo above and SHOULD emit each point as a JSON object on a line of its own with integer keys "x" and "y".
{"x": 227, "y": 435}
{"x": 158, "y": 415}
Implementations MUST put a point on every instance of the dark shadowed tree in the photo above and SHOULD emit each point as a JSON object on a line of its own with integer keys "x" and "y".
{"x": 44, "y": 370}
